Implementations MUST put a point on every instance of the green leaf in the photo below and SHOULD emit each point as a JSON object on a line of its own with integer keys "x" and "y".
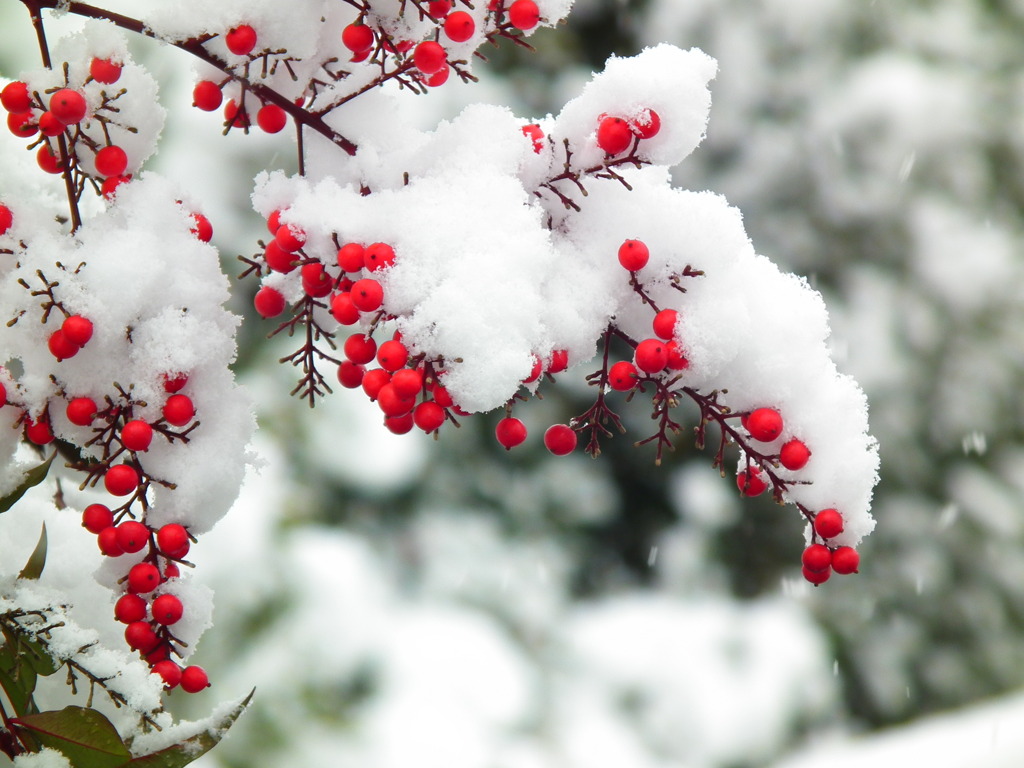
{"x": 37, "y": 561}
{"x": 84, "y": 736}
{"x": 193, "y": 748}
{"x": 33, "y": 477}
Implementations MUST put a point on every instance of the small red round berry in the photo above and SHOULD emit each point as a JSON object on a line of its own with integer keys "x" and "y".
{"x": 60, "y": 346}
{"x": 171, "y": 571}
{"x": 241, "y": 40}
{"x": 97, "y": 517}
{"x": 120, "y": 480}
{"x": 167, "y": 610}
{"x": 845, "y": 560}
{"x": 367, "y": 294}
{"x": 374, "y": 381}
{"x": 22, "y": 124}
{"x": 111, "y": 161}
{"x": 6, "y": 219}
{"x": 289, "y": 238}
{"x": 614, "y": 135}
{"x": 207, "y": 96}
{"x": 794, "y": 454}
{"x": 459, "y": 26}
{"x": 136, "y": 435}
{"x": 16, "y": 98}
{"x": 408, "y": 382}
{"x": 48, "y": 161}
{"x": 651, "y": 355}
{"x": 130, "y": 608}
{"x": 174, "y": 382}
{"x": 510, "y": 432}
{"x": 524, "y": 15}
{"x": 107, "y": 541}
{"x": 399, "y": 425}
{"x": 428, "y": 416}
{"x": 535, "y": 371}
{"x": 438, "y": 9}
{"x": 68, "y": 106}
{"x": 378, "y": 256}
{"x": 536, "y": 134}
{"x": 750, "y": 482}
{"x": 622, "y": 376}
{"x": 194, "y": 679}
{"x": 77, "y": 330}
{"x": 559, "y": 361}
{"x": 201, "y": 227}
{"x": 360, "y": 348}
{"x": 393, "y": 404}
{"x": 438, "y": 78}
{"x": 828, "y": 523}
{"x": 105, "y": 71}
{"x": 664, "y": 324}
{"x": 634, "y": 254}
{"x": 676, "y": 359}
{"x": 3, "y": 395}
{"x": 271, "y": 118}
{"x": 764, "y": 424}
{"x": 235, "y": 114}
{"x": 442, "y": 397}
{"x": 274, "y": 220}
{"x": 315, "y": 280}
{"x": 357, "y": 38}
{"x": 392, "y": 355}
{"x": 161, "y": 653}
{"x": 110, "y": 186}
{"x": 143, "y": 577}
{"x": 278, "y": 259}
{"x": 343, "y": 308}
{"x": 141, "y": 636}
{"x": 179, "y": 410}
{"x": 351, "y": 258}
{"x": 816, "y": 557}
{"x": 49, "y": 125}
{"x": 169, "y": 672}
{"x": 429, "y": 57}
{"x": 350, "y": 375}
{"x": 560, "y": 439}
{"x": 39, "y": 432}
{"x": 172, "y": 539}
{"x": 132, "y": 536}
{"x": 816, "y": 577}
{"x": 646, "y": 126}
{"x": 269, "y": 302}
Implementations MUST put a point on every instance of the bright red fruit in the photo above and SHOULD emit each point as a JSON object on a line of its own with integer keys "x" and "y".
{"x": 269, "y": 302}
{"x": 439, "y": 78}
{"x": 278, "y": 259}
{"x": 428, "y": 416}
{"x": 109, "y": 187}
{"x": 6, "y": 219}
{"x": 179, "y": 410}
{"x": 49, "y": 125}
{"x": 651, "y": 355}
{"x": 39, "y": 432}
{"x": 289, "y": 238}
{"x": 105, "y": 71}
{"x": 510, "y": 432}
{"x": 68, "y": 106}
{"x": 622, "y": 376}
{"x": 676, "y": 359}
{"x": 111, "y": 161}
{"x": 816, "y": 557}
{"x": 167, "y": 610}
{"x": 357, "y": 38}
{"x": 120, "y": 480}
{"x": 408, "y": 382}
{"x": 47, "y": 160}
{"x": 132, "y": 536}
{"x": 393, "y": 404}
{"x": 315, "y": 280}
{"x": 459, "y": 26}
{"x": 241, "y": 40}
{"x": 828, "y": 523}
{"x": 136, "y": 435}
{"x": 130, "y": 608}
{"x": 794, "y": 454}
{"x": 559, "y": 361}
{"x": 350, "y": 375}
{"x": 77, "y": 329}
{"x": 378, "y": 256}
{"x": 646, "y": 126}
{"x": 201, "y": 227}
{"x": 169, "y": 672}
{"x": 764, "y": 424}
{"x": 560, "y": 439}
{"x": 634, "y": 254}
{"x": 194, "y": 679}
{"x": 16, "y": 98}
{"x": 174, "y": 382}
{"x": 750, "y": 482}
{"x": 343, "y": 308}
{"x": 360, "y": 348}
{"x": 845, "y": 560}
{"x": 141, "y": 636}
{"x": 367, "y": 294}
{"x": 143, "y": 577}
{"x": 97, "y": 517}
{"x": 271, "y": 118}
{"x": 399, "y": 425}
{"x": 172, "y": 539}
{"x": 429, "y": 57}
{"x": 524, "y": 14}
{"x": 374, "y": 381}
{"x": 614, "y": 135}
{"x": 350, "y": 257}
{"x": 207, "y": 95}
{"x": 664, "y": 324}
{"x": 438, "y": 9}
{"x": 107, "y": 540}
{"x": 22, "y": 124}
{"x": 60, "y": 347}
{"x": 817, "y": 577}
{"x": 392, "y": 355}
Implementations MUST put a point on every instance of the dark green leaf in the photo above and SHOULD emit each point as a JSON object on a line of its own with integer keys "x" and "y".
{"x": 34, "y": 567}
{"x": 84, "y": 736}
{"x": 191, "y": 749}
{"x": 33, "y": 477}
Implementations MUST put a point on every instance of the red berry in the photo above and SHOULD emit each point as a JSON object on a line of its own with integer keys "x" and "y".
{"x": 459, "y": 26}
{"x": 235, "y": 115}
{"x": 442, "y": 397}
{"x": 201, "y": 227}
{"x": 143, "y": 577}
{"x": 22, "y": 124}
{"x": 290, "y": 238}
{"x": 764, "y": 424}
{"x": 845, "y": 560}
{"x": 278, "y": 259}
{"x": 49, "y": 125}
{"x": 676, "y": 359}
{"x": 207, "y": 96}
{"x": 97, "y": 517}
{"x": 360, "y": 348}
{"x": 665, "y": 324}
{"x": 622, "y": 376}
{"x": 171, "y": 571}
{"x": 393, "y": 404}
{"x": 536, "y": 134}
{"x": 350, "y": 257}
{"x": 274, "y": 221}
{"x": 269, "y": 302}
{"x": 111, "y": 161}
{"x": 60, "y": 347}
{"x": 438, "y": 9}
{"x": 399, "y": 425}
{"x": 828, "y": 523}
{"x": 132, "y": 536}
{"x": 174, "y": 382}
{"x": 271, "y": 118}
{"x": 6, "y": 219}
{"x": 647, "y": 125}
{"x": 105, "y": 71}
{"x": 439, "y": 78}
{"x": 48, "y": 161}
{"x": 167, "y": 610}
{"x": 560, "y": 439}
{"x": 428, "y": 416}
{"x": 750, "y": 482}
{"x": 3, "y": 395}
{"x": 651, "y": 355}
{"x": 633, "y": 255}
{"x": 367, "y": 294}
{"x": 315, "y": 280}
{"x": 614, "y": 135}
{"x": 350, "y": 375}
{"x": 68, "y": 106}
{"x": 343, "y": 308}
{"x": 817, "y": 577}
{"x": 179, "y": 410}
{"x": 194, "y": 679}
{"x": 357, "y": 38}
{"x": 120, "y": 480}
{"x": 510, "y": 432}
{"x": 107, "y": 540}
{"x": 109, "y": 187}
{"x": 136, "y": 435}
{"x": 141, "y": 636}
{"x": 169, "y": 672}
{"x": 408, "y": 381}
{"x": 39, "y": 432}
{"x": 392, "y": 355}
{"x": 524, "y": 14}
{"x": 378, "y": 256}
{"x": 130, "y": 608}
{"x": 374, "y": 381}
{"x": 794, "y": 454}
{"x": 241, "y": 40}
{"x": 172, "y": 539}
{"x": 77, "y": 330}
{"x": 535, "y": 371}
{"x": 16, "y": 98}
{"x": 816, "y": 557}
{"x": 161, "y": 653}
{"x": 429, "y": 57}
{"x": 559, "y": 361}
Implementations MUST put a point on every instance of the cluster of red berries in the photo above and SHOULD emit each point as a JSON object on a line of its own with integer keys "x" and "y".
{"x": 617, "y": 134}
